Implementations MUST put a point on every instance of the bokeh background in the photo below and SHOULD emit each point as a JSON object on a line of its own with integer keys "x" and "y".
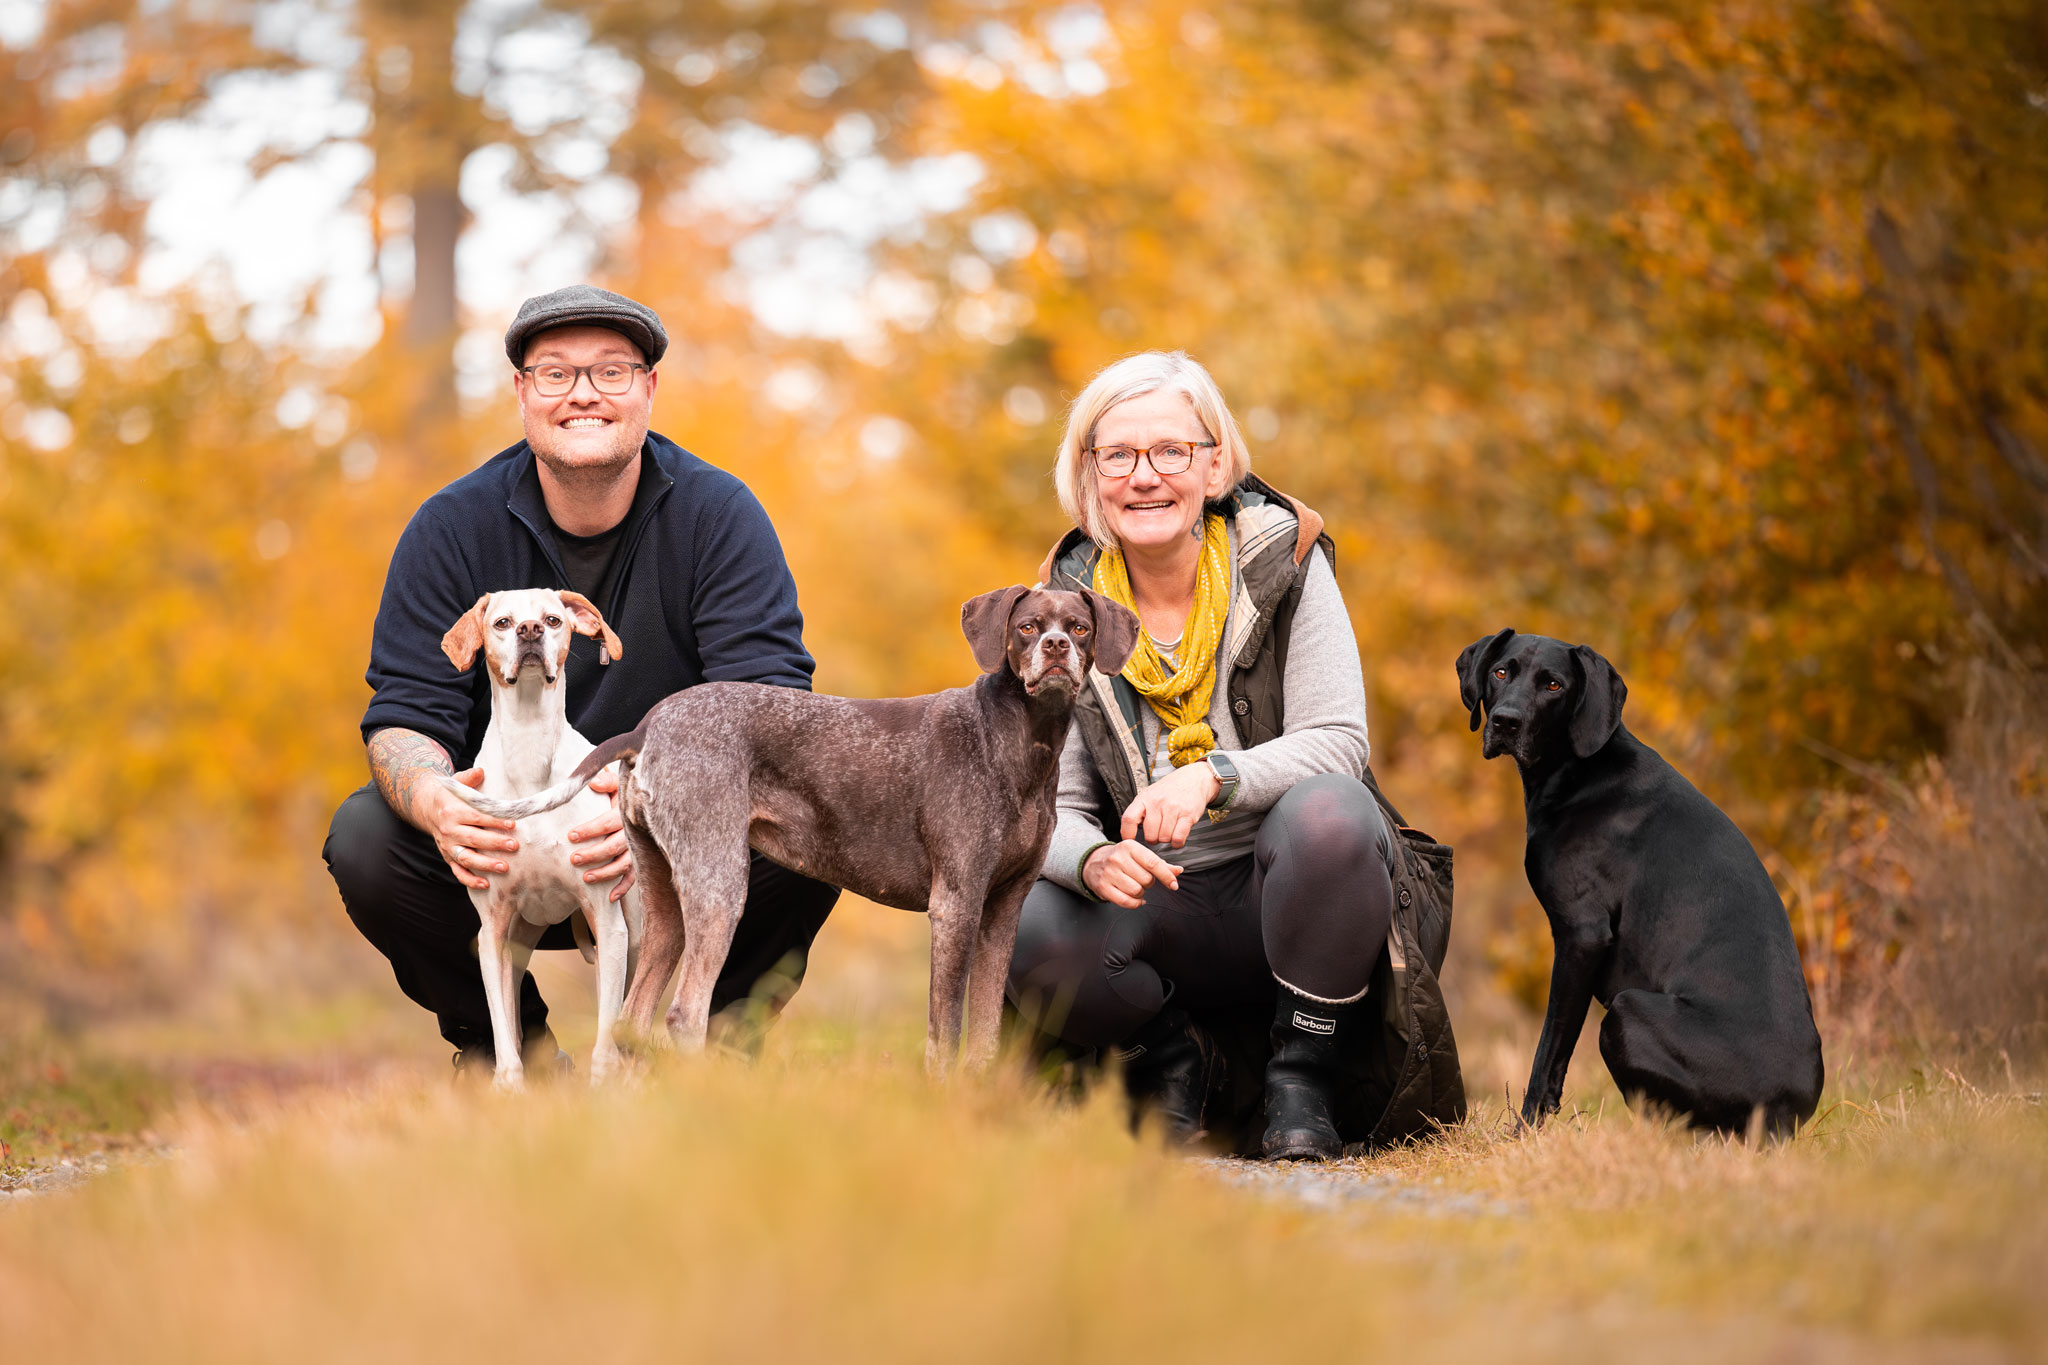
{"x": 1709, "y": 334}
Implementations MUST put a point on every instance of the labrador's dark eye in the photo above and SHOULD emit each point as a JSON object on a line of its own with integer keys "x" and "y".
{"x": 1555, "y": 686}
{"x": 1500, "y": 672}
{"x": 502, "y": 623}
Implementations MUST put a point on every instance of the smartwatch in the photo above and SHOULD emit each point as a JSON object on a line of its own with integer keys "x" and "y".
{"x": 1226, "y": 774}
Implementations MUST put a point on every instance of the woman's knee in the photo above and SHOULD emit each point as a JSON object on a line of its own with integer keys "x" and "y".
{"x": 1055, "y": 933}
{"x": 1333, "y": 817}
{"x": 1068, "y": 976}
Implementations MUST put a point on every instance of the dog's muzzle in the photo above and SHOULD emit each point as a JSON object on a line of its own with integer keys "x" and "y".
{"x": 1055, "y": 668}
{"x": 1059, "y": 678}
{"x": 531, "y": 655}
{"x": 1502, "y": 735}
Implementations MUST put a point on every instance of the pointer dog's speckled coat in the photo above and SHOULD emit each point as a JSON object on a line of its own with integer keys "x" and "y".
{"x": 941, "y": 803}
{"x": 529, "y": 746}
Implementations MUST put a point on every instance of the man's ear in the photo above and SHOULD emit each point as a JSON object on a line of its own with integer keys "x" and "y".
{"x": 985, "y": 621}
{"x": 1116, "y": 631}
{"x": 1601, "y": 694}
{"x": 466, "y": 636}
{"x": 1474, "y": 666}
{"x": 588, "y": 620}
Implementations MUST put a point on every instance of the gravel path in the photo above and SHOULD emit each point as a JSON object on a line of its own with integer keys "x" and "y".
{"x": 1342, "y": 1185}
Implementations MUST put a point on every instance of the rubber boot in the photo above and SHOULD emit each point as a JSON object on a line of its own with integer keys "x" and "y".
{"x": 1172, "y": 1068}
{"x": 1303, "y": 1077}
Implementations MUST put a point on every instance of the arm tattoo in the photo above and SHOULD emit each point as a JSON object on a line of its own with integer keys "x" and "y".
{"x": 398, "y": 759}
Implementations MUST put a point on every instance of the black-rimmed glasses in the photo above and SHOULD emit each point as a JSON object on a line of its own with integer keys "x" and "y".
{"x": 1168, "y": 457}
{"x": 610, "y": 377}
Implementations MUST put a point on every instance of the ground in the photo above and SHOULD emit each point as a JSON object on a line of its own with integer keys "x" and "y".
{"x": 320, "y": 1189}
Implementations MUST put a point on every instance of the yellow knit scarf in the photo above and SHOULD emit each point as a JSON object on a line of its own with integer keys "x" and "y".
{"x": 1181, "y": 697}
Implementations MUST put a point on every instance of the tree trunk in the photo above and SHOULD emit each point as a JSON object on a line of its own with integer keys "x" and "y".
{"x": 423, "y": 132}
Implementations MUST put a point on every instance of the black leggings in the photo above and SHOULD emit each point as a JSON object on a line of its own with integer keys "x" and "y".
{"x": 404, "y": 899}
{"x": 1310, "y": 906}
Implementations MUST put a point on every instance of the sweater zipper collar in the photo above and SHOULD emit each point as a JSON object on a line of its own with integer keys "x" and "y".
{"x": 527, "y": 504}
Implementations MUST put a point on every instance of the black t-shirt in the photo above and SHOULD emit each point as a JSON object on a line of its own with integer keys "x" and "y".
{"x": 592, "y": 562}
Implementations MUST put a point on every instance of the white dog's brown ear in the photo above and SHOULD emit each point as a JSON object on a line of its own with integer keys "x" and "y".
{"x": 589, "y": 621}
{"x": 985, "y": 620}
{"x": 466, "y": 636}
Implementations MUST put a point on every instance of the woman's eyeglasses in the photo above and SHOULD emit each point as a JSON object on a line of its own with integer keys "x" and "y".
{"x": 1168, "y": 457}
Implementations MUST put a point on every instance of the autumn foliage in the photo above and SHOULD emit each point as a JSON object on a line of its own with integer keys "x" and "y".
{"x": 1707, "y": 334}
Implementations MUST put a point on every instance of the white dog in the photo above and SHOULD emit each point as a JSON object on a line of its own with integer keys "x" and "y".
{"x": 530, "y": 745}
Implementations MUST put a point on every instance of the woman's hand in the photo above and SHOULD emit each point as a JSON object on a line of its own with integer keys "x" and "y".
{"x": 1119, "y": 873}
{"x": 1165, "y": 811}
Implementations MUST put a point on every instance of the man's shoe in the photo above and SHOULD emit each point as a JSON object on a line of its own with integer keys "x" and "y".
{"x": 542, "y": 1057}
{"x": 1310, "y": 1040}
{"x": 1174, "y": 1069}
{"x": 538, "y": 1053}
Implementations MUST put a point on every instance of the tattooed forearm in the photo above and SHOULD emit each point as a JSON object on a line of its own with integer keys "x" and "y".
{"x": 398, "y": 759}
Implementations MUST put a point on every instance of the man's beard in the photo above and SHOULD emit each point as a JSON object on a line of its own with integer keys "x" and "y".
{"x": 585, "y": 465}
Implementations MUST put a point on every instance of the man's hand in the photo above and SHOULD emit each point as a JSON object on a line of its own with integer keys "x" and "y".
{"x": 1119, "y": 873}
{"x": 466, "y": 836}
{"x": 1165, "y": 811}
{"x": 405, "y": 764}
{"x": 611, "y": 857}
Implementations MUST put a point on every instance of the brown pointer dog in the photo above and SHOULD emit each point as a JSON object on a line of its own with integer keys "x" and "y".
{"x": 941, "y": 803}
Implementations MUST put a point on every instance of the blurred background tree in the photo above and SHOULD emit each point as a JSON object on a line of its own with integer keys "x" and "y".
{"x": 1706, "y": 334}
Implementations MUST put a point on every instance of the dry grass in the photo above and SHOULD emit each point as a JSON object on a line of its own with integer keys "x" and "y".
{"x": 828, "y": 1203}
{"x": 1922, "y": 931}
{"x": 336, "y": 1198}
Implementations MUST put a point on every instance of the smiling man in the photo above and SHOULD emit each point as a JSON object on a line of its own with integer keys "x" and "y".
{"x": 682, "y": 562}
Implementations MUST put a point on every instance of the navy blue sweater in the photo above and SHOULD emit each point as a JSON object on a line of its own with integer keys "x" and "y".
{"x": 703, "y": 594}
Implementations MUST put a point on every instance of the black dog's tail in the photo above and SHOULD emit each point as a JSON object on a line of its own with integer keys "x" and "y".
{"x": 611, "y": 751}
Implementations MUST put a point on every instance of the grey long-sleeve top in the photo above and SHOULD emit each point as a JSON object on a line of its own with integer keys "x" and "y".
{"x": 1324, "y": 732}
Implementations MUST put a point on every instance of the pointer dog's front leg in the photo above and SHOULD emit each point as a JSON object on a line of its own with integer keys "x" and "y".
{"x": 956, "y": 922}
{"x": 994, "y": 944}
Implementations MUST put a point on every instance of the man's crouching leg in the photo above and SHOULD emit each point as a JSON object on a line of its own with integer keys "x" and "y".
{"x": 402, "y": 898}
{"x": 405, "y": 901}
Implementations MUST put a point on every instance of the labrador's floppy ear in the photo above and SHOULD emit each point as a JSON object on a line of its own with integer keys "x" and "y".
{"x": 1601, "y": 693}
{"x": 1473, "y": 665}
{"x": 466, "y": 636}
{"x": 1116, "y": 631}
{"x": 589, "y": 621}
{"x": 985, "y": 620}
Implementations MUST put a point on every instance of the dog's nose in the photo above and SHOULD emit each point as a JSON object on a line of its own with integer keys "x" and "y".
{"x": 531, "y": 630}
{"x": 1057, "y": 644}
{"x": 1506, "y": 723}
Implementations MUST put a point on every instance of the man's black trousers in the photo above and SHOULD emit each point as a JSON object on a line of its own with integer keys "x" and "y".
{"x": 404, "y": 899}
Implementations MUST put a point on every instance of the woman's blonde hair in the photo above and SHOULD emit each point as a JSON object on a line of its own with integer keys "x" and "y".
{"x": 1073, "y": 473}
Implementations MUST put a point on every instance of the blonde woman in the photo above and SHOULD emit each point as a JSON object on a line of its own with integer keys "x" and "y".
{"x": 1216, "y": 845}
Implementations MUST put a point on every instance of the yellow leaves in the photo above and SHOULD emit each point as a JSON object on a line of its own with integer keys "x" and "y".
{"x": 1571, "y": 317}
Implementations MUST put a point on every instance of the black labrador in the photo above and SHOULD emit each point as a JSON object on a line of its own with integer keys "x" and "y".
{"x": 1658, "y": 906}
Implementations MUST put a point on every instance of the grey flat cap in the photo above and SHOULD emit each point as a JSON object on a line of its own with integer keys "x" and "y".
{"x": 585, "y": 305}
